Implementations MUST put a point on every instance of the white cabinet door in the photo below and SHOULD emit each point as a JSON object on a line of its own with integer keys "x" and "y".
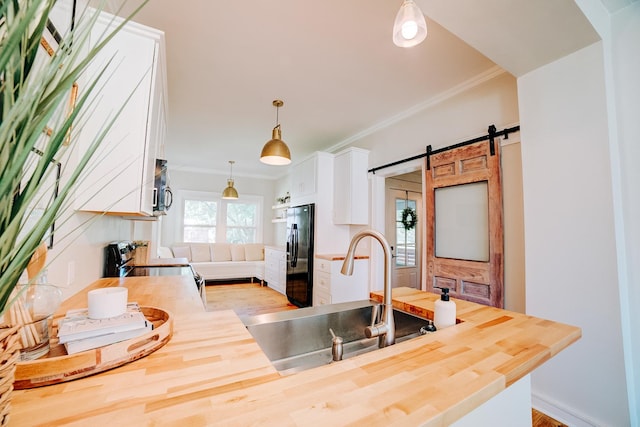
{"x": 275, "y": 260}
{"x": 351, "y": 187}
{"x": 303, "y": 178}
{"x": 121, "y": 175}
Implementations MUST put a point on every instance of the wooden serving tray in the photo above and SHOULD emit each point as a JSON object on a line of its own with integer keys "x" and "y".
{"x": 57, "y": 366}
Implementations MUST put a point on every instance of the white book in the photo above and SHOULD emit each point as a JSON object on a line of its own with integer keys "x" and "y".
{"x": 77, "y": 325}
{"x": 77, "y": 346}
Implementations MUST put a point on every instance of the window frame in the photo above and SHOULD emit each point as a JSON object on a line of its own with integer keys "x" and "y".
{"x": 221, "y": 212}
{"x": 406, "y": 245}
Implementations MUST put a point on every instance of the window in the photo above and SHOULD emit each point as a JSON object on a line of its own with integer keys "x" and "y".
{"x": 405, "y": 239}
{"x": 200, "y": 221}
{"x": 241, "y": 222}
{"x": 208, "y": 218}
{"x": 462, "y": 221}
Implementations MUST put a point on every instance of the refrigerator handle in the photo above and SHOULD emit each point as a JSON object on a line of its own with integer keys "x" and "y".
{"x": 292, "y": 246}
{"x": 294, "y": 252}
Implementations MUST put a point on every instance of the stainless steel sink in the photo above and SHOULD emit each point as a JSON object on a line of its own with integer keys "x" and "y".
{"x": 300, "y": 339}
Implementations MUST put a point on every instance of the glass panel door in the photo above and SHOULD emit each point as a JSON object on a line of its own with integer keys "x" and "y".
{"x": 405, "y": 236}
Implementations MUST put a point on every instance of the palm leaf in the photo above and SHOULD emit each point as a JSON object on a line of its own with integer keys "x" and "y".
{"x": 32, "y": 93}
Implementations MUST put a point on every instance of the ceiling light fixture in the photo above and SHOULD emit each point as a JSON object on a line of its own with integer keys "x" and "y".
{"x": 275, "y": 151}
{"x": 230, "y": 192}
{"x": 410, "y": 28}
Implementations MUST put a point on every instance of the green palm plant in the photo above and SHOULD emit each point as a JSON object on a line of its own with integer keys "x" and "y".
{"x": 34, "y": 91}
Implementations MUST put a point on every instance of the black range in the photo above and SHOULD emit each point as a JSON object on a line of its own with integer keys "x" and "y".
{"x": 119, "y": 262}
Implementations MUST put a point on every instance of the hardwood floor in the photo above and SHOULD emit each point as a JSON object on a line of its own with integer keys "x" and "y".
{"x": 542, "y": 420}
{"x": 248, "y": 299}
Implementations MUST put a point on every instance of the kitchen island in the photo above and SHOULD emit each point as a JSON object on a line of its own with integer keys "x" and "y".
{"x": 212, "y": 372}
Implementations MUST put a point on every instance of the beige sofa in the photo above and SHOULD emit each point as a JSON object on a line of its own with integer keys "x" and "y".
{"x": 220, "y": 261}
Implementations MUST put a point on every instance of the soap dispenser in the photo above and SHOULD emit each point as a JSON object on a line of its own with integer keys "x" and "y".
{"x": 445, "y": 310}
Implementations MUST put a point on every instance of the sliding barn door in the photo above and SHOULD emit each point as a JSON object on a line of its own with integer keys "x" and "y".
{"x": 464, "y": 223}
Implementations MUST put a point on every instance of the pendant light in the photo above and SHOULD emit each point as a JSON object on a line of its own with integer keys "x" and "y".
{"x": 275, "y": 151}
{"x": 410, "y": 28}
{"x": 230, "y": 192}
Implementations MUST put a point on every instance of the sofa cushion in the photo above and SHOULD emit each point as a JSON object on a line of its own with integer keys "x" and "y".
{"x": 182, "y": 252}
{"x": 230, "y": 270}
{"x": 254, "y": 251}
{"x": 200, "y": 252}
{"x": 237, "y": 252}
{"x": 221, "y": 251}
{"x": 164, "y": 252}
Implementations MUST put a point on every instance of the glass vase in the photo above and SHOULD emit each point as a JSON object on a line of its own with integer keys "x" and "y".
{"x": 32, "y": 310}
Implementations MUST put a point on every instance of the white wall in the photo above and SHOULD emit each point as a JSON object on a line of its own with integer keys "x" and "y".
{"x": 77, "y": 257}
{"x": 215, "y": 183}
{"x": 457, "y": 118}
{"x": 570, "y": 251}
{"x": 625, "y": 86}
{"x": 460, "y": 117}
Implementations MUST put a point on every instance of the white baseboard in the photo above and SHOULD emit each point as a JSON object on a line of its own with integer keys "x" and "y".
{"x": 561, "y": 413}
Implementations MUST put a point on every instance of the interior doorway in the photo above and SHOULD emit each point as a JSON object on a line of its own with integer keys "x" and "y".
{"x": 404, "y": 220}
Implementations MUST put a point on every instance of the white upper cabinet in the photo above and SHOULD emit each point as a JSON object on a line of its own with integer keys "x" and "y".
{"x": 121, "y": 174}
{"x": 351, "y": 187}
{"x": 303, "y": 178}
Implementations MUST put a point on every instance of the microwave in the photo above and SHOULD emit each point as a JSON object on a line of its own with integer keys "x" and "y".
{"x": 162, "y": 195}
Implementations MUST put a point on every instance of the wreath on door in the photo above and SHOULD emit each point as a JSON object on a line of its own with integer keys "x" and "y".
{"x": 409, "y": 217}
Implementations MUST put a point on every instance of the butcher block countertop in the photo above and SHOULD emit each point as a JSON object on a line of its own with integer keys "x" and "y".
{"x": 212, "y": 372}
{"x": 339, "y": 257}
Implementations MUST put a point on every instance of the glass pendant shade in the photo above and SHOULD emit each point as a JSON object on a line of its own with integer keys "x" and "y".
{"x": 275, "y": 151}
{"x": 410, "y": 27}
{"x": 230, "y": 192}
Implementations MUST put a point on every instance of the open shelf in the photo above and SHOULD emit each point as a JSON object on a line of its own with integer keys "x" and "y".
{"x": 282, "y": 206}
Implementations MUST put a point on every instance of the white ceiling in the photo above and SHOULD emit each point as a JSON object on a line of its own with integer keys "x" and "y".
{"x": 519, "y": 35}
{"x": 334, "y": 65}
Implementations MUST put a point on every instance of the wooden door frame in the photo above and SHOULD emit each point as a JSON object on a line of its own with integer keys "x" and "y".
{"x": 481, "y": 282}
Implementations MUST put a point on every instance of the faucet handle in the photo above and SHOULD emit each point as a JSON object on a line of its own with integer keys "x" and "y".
{"x": 375, "y": 314}
{"x": 376, "y": 330}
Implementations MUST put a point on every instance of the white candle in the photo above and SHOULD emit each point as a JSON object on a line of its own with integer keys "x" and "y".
{"x": 107, "y": 302}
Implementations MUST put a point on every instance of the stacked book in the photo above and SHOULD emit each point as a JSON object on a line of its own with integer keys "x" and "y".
{"x": 79, "y": 333}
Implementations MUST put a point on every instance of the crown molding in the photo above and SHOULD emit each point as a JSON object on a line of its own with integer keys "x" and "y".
{"x": 479, "y": 79}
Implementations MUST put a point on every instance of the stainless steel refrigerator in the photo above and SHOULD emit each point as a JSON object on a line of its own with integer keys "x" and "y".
{"x": 300, "y": 255}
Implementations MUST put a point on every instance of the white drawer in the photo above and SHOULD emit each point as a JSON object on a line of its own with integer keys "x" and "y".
{"x": 321, "y": 298}
{"x": 322, "y": 281}
{"x": 274, "y": 252}
{"x": 323, "y": 265}
{"x": 271, "y": 264}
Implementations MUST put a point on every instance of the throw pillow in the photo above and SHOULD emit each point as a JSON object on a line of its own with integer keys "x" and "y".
{"x": 200, "y": 252}
{"x": 254, "y": 251}
{"x": 221, "y": 251}
{"x": 237, "y": 253}
{"x": 182, "y": 252}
